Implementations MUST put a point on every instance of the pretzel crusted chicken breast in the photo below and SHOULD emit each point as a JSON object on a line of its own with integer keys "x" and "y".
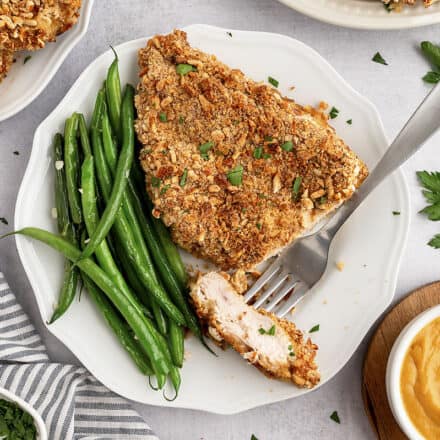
{"x": 6, "y": 60}
{"x": 236, "y": 170}
{"x": 30, "y": 24}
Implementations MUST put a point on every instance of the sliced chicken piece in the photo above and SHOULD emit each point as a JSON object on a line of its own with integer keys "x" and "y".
{"x": 6, "y": 60}
{"x": 273, "y": 345}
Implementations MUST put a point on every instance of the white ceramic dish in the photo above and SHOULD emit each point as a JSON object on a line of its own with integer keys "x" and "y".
{"x": 25, "y": 82}
{"x": 345, "y": 304}
{"x": 39, "y": 424}
{"x": 394, "y": 367}
{"x": 366, "y": 14}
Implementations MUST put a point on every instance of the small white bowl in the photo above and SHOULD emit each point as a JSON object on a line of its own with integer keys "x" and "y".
{"x": 394, "y": 367}
{"x": 39, "y": 424}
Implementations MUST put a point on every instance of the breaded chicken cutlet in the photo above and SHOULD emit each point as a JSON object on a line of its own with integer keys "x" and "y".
{"x": 275, "y": 346}
{"x": 6, "y": 60}
{"x": 236, "y": 170}
{"x": 30, "y": 24}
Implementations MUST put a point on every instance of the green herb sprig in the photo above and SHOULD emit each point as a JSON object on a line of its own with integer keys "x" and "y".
{"x": 430, "y": 181}
{"x": 431, "y": 52}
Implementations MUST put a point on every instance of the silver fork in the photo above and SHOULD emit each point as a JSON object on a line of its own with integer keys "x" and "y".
{"x": 300, "y": 266}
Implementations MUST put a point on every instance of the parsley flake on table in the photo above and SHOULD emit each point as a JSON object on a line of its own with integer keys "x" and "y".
{"x": 314, "y": 329}
{"x": 349, "y": 121}
{"x": 253, "y": 437}
{"x": 27, "y": 58}
{"x": 4, "y": 221}
{"x": 378, "y": 58}
{"x": 273, "y": 81}
{"x": 432, "y": 54}
{"x": 184, "y": 69}
{"x": 435, "y": 241}
{"x": 230, "y": 34}
{"x": 396, "y": 212}
{"x": 334, "y": 112}
{"x": 235, "y": 176}
{"x": 335, "y": 417}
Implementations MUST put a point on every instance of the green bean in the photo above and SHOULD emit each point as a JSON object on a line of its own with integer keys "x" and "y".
{"x": 168, "y": 246}
{"x": 134, "y": 249}
{"x": 141, "y": 326}
{"x": 84, "y": 135}
{"x": 119, "y": 327}
{"x": 120, "y": 182}
{"x": 71, "y": 165}
{"x": 103, "y": 253}
{"x": 176, "y": 344}
{"x": 97, "y": 111}
{"x": 175, "y": 380}
{"x": 66, "y": 229}
{"x": 113, "y": 95}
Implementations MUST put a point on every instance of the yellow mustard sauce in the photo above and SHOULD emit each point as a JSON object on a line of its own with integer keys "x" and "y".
{"x": 420, "y": 381}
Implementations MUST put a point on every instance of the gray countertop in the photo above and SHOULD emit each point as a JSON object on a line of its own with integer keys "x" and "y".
{"x": 395, "y": 90}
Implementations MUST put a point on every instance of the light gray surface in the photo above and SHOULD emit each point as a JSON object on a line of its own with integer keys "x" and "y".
{"x": 395, "y": 89}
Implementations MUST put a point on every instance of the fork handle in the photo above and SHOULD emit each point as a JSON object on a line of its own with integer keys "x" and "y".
{"x": 423, "y": 123}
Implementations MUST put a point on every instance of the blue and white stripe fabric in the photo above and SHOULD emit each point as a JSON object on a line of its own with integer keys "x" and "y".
{"x": 72, "y": 403}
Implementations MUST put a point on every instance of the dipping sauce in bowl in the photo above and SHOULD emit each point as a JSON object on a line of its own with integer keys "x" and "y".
{"x": 420, "y": 381}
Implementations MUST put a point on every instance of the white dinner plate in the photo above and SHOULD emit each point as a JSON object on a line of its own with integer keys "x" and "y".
{"x": 366, "y": 14}
{"x": 25, "y": 82}
{"x": 345, "y": 304}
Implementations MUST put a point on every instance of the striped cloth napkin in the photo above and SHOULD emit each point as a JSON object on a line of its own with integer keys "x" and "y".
{"x": 72, "y": 403}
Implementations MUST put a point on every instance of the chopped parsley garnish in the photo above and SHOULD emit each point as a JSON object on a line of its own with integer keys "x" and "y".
{"x": 16, "y": 423}
{"x": 334, "y": 416}
{"x": 27, "y": 58}
{"x": 258, "y": 152}
{"x": 334, "y": 112}
{"x": 181, "y": 119}
{"x": 16, "y": 153}
{"x": 349, "y": 121}
{"x": 396, "y": 212}
{"x": 184, "y": 69}
{"x": 268, "y": 138}
{"x": 253, "y": 437}
{"x": 270, "y": 332}
{"x": 431, "y": 185}
{"x": 388, "y": 7}
{"x": 163, "y": 116}
{"x": 258, "y": 225}
{"x": 273, "y": 81}
{"x": 287, "y": 146}
{"x": 4, "y": 221}
{"x": 267, "y": 156}
{"x": 432, "y": 54}
{"x": 435, "y": 241}
{"x": 204, "y": 148}
{"x": 164, "y": 189}
{"x": 378, "y": 58}
{"x": 295, "y": 187}
{"x": 431, "y": 77}
{"x": 314, "y": 329}
{"x": 291, "y": 353}
{"x": 155, "y": 181}
{"x": 235, "y": 176}
{"x": 230, "y": 34}
{"x": 322, "y": 200}
{"x": 182, "y": 181}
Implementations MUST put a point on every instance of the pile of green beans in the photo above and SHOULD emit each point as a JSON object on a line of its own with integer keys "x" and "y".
{"x": 124, "y": 256}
